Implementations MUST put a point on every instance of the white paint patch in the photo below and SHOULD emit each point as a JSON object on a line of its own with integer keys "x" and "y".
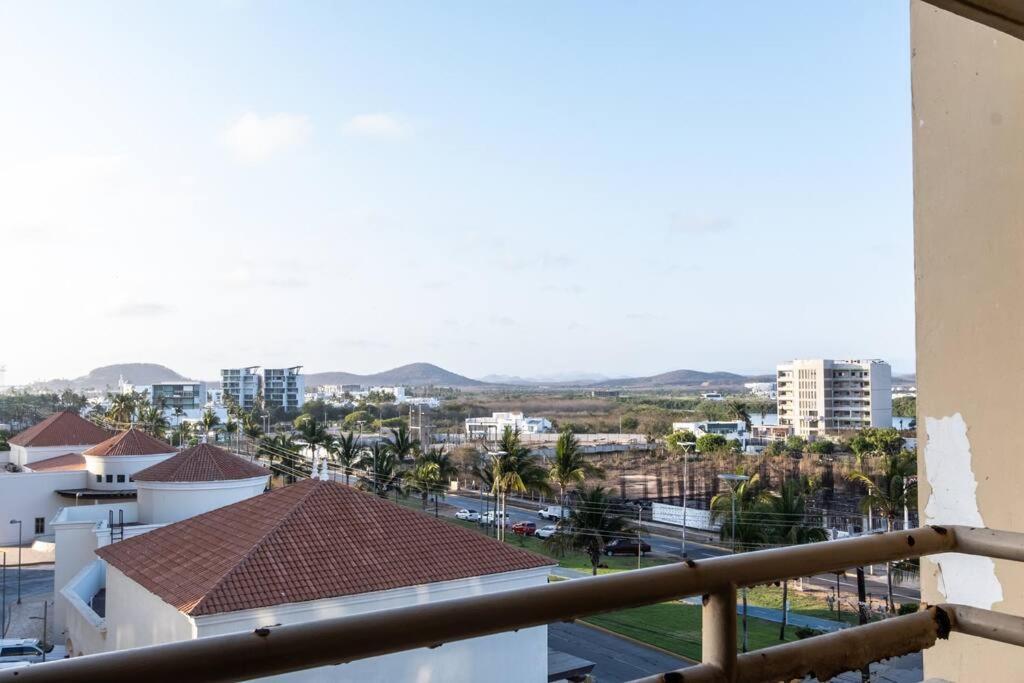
{"x": 963, "y": 579}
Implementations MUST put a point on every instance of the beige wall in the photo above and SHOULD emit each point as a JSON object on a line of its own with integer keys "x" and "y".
{"x": 968, "y": 120}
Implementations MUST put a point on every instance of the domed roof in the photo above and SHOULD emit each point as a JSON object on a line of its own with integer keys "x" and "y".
{"x": 65, "y": 428}
{"x": 204, "y": 462}
{"x": 130, "y": 442}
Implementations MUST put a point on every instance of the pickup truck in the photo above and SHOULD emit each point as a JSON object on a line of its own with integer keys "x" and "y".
{"x": 551, "y": 512}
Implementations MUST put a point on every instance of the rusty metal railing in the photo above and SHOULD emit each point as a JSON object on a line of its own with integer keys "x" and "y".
{"x": 282, "y": 649}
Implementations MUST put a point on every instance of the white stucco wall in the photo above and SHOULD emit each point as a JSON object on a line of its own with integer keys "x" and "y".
{"x": 20, "y": 455}
{"x": 86, "y": 631}
{"x": 125, "y": 465}
{"x": 511, "y": 657}
{"x": 135, "y": 617}
{"x": 28, "y": 495}
{"x": 166, "y": 502}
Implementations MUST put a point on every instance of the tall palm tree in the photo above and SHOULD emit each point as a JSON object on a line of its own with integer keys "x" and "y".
{"x": 153, "y": 420}
{"x": 314, "y": 434}
{"x": 740, "y": 411}
{"x": 284, "y": 456}
{"x": 751, "y": 504}
{"x": 791, "y": 527}
{"x": 122, "y": 409}
{"x": 890, "y": 493}
{"x": 570, "y": 466}
{"x": 429, "y": 473}
{"x": 591, "y": 526}
{"x": 231, "y": 428}
{"x": 345, "y": 451}
{"x": 402, "y": 443}
{"x": 381, "y": 470}
{"x": 184, "y": 433}
{"x": 209, "y": 420}
{"x": 515, "y": 471}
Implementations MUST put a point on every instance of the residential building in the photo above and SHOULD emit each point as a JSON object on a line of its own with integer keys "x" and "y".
{"x": 284, "y": 387}
{"x": 60, "y": 433}
{"x": 296, "y": 555}
{"x": 491, "y": 428}
{"x": 712, "y": 396}
{"x": 733, "y": 430}
{"x": 820, "y": 396}
{"x": 178, "y": 395}
{"x": 762, "y": 389}
{"x": 242, "y": 385}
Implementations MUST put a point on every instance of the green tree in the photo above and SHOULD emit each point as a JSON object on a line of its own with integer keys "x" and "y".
{"x": 740, "y": 410}
{"x": 231, "y": 428}
{"x": 153, "y": 420}
{"x": 591, "y": 525}
{"x": 402, "y": 443}
{"x": 904, "y": 406}
{"x": 796, "y": 445}
{"x": 675, "y": 440}
{"x": 570, "y": 466}
{"x": 209, "y": 421}
{"x": 712, "y": 443}
{"x": 345, "y": 451}
{"x": 790, "y": 526}
{"x": 515, "y": 470}
{"x": 875, "y": 442}
{"x": 314, "y": 434}
{"x": 822, "y": 447}
{"x": 751, "y": 504}
{"x": 890, "y": 493}
{"x": 122, "y": 409}
{"x": 381, "y": 470}
{"x": 284, "y": 455}
{"x": 430, "y": 472}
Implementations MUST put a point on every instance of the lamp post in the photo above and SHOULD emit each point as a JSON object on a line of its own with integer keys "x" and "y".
{"x": 688, "y": 447}
{"x": 18, "y": 522}
{"x": 734, "y": 480}
{"x": 3, "y": 596}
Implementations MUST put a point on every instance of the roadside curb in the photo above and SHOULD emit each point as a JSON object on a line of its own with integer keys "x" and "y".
{"x": 636, "y": 641}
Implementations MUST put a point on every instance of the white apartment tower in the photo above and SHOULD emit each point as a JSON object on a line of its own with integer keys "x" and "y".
{"x": 820, "y": 396}
{"x": 242, "y": 385}
{"x": 284, "y": 387}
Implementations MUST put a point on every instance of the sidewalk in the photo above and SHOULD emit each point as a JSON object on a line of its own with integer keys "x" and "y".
{"x": 775, "y": 615}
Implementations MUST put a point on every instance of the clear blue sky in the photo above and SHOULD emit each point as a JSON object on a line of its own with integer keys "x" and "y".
{"x": 519, "y": 188}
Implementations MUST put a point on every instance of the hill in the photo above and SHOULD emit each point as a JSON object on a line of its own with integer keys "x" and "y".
{"x": 686, "y": 378}
{"x": 107, "y": 377}
{"x": 414, "y": 374}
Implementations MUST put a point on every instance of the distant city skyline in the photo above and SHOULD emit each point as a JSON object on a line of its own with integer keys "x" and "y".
{"x": 624, "y": 189}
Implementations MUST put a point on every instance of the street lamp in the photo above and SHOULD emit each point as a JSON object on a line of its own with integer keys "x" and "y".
{"x": 688, "y": 447}
{"x": 734, "y": 480}
{"x": 18, "y": 522}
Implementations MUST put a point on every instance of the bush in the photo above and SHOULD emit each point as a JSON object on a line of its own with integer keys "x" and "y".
{"x": 822, "y": 447}
{"x": 804, "y": 632}
{"x": 775, "y": 448}
{"x": 907, "y": 608}
{"x": 795, "y": 445}
{"x": 710, "y": 443}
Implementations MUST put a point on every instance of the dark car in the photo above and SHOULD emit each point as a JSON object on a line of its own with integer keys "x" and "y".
{"x": 524, "y": 528}
{"x": 626, "y": 546}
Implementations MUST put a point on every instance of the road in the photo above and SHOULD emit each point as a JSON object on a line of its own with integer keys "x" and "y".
{"x": 615, "y": 659}
{"x": 35, "y": 580}
{"x": 671, "y": 546}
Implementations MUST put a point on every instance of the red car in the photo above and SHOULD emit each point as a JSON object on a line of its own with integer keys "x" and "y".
{"x": 524, "y": 528}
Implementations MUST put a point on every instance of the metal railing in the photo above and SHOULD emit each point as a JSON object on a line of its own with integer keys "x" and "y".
{"x": 282, "y": 649}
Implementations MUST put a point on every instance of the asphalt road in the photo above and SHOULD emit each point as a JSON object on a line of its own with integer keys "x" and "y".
{"x": 615, "y": 659}
{"x": 672, "y": 547}
{"x": 35, "y": 580}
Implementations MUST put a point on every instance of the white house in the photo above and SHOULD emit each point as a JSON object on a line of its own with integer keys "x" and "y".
{"x": 190, "y": 483}
{"x": 60, "y": 433}
{"x": 297, "y": 554}
{"x": 733, "y": 430}
{"x": 492, "y": 427}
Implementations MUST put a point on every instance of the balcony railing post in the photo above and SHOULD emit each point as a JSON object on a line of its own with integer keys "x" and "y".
{"x": 718, "y": 632}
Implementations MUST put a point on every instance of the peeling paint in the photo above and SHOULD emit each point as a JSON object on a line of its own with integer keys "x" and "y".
{"x": 963, "y": 579}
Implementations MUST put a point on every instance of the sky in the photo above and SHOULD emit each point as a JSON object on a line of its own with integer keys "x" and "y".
{"x": 522, "y": 188}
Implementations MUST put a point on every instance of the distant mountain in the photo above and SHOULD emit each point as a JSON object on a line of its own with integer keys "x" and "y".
{"x": 686, "y": 378}
{"x": 107, "y": 377}
{"x": 558, "y": 378}
{"x": 414, "y": 374}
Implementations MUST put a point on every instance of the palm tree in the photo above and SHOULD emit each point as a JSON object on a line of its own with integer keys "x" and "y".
{"x": 251, "y": 427}
{"x": 402, "y": 443}
{"x": 430, "y": 472}
{"x": 122, "y": 409}
{"x": 209, "y": 420}
{"x": 751, "y": 503}
{"x": 741, "y": 411}
{"x": 345, "y": 451}
{"x": 153, "y": 420}
{"x": 231, "y": 428}
{"x": 790, "y": 527}
{"x": 314, "y": 434}
{"x": 890, "y": 493}
{"x": 515, "y": 471}
{"x": 282, "y": 447}
{"x": 591, "y": 525}
{"x": 184, "y": 433}
{"x": 570, "y": 467}
{"x": 381, "y": 470}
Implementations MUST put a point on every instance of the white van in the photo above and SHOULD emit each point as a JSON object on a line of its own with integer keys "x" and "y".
{"x": 551, "y": 512}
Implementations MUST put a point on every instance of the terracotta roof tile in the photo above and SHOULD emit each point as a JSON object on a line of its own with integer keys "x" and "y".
{"x": 308, "y": 541}
{"x": 69, "y": 462}
{"x": 65, "y": 428}
{"x": 131, "y": 442}
{"x": 204, "y": 462}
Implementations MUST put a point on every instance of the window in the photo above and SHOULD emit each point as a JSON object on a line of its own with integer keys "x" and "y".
{"x": 110, "y": 478}
{"x": 40, "y": 525}
{"x": 99, "y": 478}
{"x": 120, "y": 479}
{"x": 19, "y": 651}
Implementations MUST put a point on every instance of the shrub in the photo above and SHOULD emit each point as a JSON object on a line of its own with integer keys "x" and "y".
{"x": 907, "y": 608}
{"x": 804, "y": 632}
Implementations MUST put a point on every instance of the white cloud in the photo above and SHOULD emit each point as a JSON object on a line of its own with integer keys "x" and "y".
{"x": 254, "y": 138}
{"x": 386, "y": 126}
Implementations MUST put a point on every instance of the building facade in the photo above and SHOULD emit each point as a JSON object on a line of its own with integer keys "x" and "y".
{"x": 242, "y": 385}
{"x": 491, "y": 428}
{"x": 284, "y": 387}
{"x": 823, "y": 396}
{"x": 175, "y": 395}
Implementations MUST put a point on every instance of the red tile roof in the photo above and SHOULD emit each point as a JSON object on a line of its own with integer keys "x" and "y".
{"x": 204, "y": 462}
{"x": 69, "y": 462}
{"x": 65, "y": 428}
{"x": 308, "y": 541}
{"x": 131, "y": 442}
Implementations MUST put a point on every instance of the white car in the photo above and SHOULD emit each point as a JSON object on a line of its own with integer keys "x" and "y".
{"x": 27, "y": 650}
{"x": 468, "y": 515}
{"x": 551, "y": 512}
{"x": 489, "y": 518}
{"x": 547, "y": 531}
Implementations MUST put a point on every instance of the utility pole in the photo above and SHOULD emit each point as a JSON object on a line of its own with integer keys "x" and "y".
{"x": 862, "y": 616}
{"x": 639, "y": 529}
{"x": 3, "y": 599}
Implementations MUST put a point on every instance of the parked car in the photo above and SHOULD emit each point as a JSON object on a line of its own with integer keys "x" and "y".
{"x": 524, "y": 528}
{"x": 626, "y": 546}
{"x": 547, "y": 531}
{"x": 488, "y": 518}
{"x": 551, "y": 512}
{"x": 468, "y": 515}
{"x": 27, "y": 650}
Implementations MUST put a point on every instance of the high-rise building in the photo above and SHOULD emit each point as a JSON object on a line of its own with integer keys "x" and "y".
{"x": 284, "y": 387}
{"x": 174, "y": 395}
{"x": 242, "y": 385}
{"x": 822, "y": 396}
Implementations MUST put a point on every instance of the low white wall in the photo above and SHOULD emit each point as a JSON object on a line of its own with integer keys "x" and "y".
{"x": 136, "y": 617}
{"x": 86, "y": 631}
{"x": 115, "y": 465}
{"x": 167, "y": 502}
{"x": 20, "y": 455}
{"x": 511, "y": 657}
{"x": 29, "y": 495}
